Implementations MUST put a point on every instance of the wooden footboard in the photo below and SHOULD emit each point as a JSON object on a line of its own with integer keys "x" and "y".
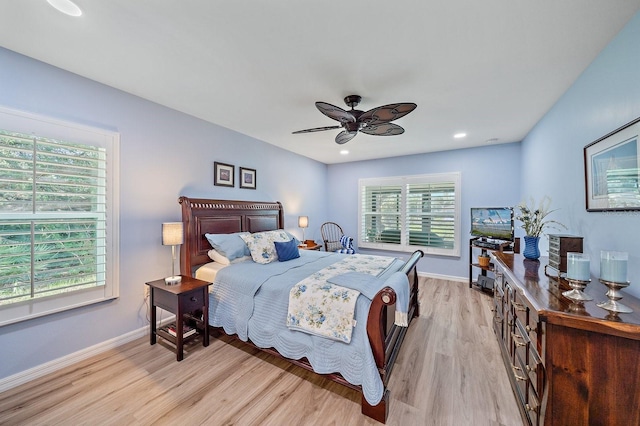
{"x": 386, "y": 337}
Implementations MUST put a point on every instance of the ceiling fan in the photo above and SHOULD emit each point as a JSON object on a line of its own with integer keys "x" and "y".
{"x": 376, "y": 121}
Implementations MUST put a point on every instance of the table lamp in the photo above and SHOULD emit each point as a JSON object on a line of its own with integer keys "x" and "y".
{"x": 172, "y": 235}
{"x": 303, "y": 222}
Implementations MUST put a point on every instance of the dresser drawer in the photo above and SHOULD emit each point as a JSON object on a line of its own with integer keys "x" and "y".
{"x": 532, "y": 406}
{"x": 534, "y": 368}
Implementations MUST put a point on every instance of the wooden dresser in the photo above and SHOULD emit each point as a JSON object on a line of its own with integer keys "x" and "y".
{"x": 568, "y": 363}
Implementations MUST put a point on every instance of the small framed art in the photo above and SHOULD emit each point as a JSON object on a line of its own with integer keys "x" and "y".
{"x": 612, "y": 170}
{"x": 247, "y": 178}
{"x": 223, "y": 174}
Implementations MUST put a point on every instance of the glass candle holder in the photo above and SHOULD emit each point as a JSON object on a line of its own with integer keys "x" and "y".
{"x": 578, "y": 266}
{"x": 613, "y": 274}
{"x": 578, "y": 276}
{"x": 613, "y": 266}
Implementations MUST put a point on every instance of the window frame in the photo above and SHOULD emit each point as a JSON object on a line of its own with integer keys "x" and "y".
{"x": 403, "y": 183}
{"x": 39, "y": 125}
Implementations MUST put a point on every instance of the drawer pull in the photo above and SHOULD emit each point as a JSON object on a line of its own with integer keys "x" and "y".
{"x": 194, "y": 299}
{"x": 528, "y": 328}
{"x": 515, "y": 373}
{"x": 516, "y": 341}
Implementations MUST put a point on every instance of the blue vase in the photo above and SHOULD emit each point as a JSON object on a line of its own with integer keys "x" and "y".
{"x": 531, "y": 250}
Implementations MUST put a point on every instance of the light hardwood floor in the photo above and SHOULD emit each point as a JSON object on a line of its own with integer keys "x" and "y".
{"x": 449, "y": 372}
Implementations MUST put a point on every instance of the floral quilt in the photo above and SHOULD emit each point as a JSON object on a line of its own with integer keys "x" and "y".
{"x": 319, "y": 307}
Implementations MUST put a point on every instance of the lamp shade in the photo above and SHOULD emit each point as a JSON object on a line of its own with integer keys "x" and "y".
{"x": 172, "y": 233}
{"x": 303, "y": 221}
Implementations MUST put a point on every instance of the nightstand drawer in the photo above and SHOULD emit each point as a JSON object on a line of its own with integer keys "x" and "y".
{"x": 193, "y": 301}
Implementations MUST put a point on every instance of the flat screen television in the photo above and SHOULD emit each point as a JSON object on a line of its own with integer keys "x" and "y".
{"x": 492, "y": 223}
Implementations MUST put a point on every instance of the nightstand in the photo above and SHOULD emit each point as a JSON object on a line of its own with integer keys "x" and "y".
{"x": 308, "y": 247}
{"x": 187, "y": 300}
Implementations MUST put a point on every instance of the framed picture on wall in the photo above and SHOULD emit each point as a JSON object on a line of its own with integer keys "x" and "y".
{"x": 612, "y": 170}
{"x": 223, "y": 174}
{"x": 247, "y": 178}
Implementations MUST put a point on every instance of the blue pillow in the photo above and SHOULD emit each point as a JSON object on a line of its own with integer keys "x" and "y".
{"x": 230, "y": 246}
{"x": 287, "y": 251}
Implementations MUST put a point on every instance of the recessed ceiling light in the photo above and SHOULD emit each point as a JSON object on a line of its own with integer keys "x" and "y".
{"x": 66, "y": 6}
{"x": 344, "y": 152}
{"x": 460, "y": 135}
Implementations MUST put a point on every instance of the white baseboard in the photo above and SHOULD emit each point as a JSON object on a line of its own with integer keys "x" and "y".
{"x": 444, "y": 277}
{"x": 67, "y": 360}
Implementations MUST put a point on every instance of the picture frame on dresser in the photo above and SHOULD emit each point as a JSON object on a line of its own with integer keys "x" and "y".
{"x": 612, "y": 170}
{"x": 223, "y": 174}
{"x": 247, "y": 178}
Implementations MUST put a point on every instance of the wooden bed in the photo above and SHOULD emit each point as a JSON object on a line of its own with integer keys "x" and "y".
{"x": 201, "y": 216}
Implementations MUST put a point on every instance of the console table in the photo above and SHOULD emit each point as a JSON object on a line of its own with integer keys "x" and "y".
{"x": 568, "y": 363}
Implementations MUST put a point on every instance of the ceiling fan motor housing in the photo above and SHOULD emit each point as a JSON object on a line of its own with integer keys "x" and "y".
{"x": 352, "y": 100}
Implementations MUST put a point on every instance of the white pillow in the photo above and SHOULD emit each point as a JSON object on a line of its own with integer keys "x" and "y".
{"x": 261, "y": 245}
{"x": 219, "y": 258}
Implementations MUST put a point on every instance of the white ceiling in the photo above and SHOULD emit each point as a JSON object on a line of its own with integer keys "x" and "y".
{"x": 489, "y": 68}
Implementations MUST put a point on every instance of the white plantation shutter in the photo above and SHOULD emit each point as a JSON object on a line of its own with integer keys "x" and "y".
{"x": 406, "y": 213}
{"x": 58, "y": 221}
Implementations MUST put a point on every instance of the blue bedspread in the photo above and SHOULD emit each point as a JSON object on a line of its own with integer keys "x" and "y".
{"x": 251, "y": 300}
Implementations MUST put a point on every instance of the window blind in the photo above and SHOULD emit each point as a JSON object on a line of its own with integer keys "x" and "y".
{"x": 411, "y": 212}
{"x": 52, "y": 231}
{"x": 59, "y": 215}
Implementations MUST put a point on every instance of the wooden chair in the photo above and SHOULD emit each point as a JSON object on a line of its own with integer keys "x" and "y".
{"x": 331, "y": 233}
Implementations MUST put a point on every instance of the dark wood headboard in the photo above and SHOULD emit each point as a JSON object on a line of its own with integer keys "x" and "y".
{"x": 202, "y": 216}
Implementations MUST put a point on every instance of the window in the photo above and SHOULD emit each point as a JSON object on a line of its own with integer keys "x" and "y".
{"x": 58, "y": 216}
{"x": 406, "y": 213}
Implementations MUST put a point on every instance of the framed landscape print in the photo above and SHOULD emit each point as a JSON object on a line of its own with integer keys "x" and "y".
{"x": 612, "y": 173}
{"x": 223, "y": 174}
{"x": 247, "y": 178}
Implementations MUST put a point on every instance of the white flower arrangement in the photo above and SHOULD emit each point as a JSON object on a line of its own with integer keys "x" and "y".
{"x": 533, "y": 221}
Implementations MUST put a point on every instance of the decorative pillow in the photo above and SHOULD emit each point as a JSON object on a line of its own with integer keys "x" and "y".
{"x": 218, "y": 258}
{"x": 230, "y": 246}
{"x": 261, "y": 245}
{"x": 287, "y": 251}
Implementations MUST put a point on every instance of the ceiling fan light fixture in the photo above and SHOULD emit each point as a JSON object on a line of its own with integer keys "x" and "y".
{"x": 460, "y": 135}
{"x": 66, "y": 6}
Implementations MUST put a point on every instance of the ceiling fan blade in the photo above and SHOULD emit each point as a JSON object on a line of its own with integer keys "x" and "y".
{"x": 382, "y": 129}
{"x": 345, "y": 136}
{"x": 386, "y": 113}
{"x": 316, "y": 129}
{"x": 335, "y": 113}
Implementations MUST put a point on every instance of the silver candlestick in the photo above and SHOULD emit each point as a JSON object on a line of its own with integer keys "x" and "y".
{"x": 612, "y": 305}
{"x": 577, "y": 294}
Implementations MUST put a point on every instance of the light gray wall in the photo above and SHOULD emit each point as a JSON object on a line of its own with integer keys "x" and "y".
{"x": 490, "y": 177}
{"x": 605, "y": 97}
{"x": 164, "y": 154}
